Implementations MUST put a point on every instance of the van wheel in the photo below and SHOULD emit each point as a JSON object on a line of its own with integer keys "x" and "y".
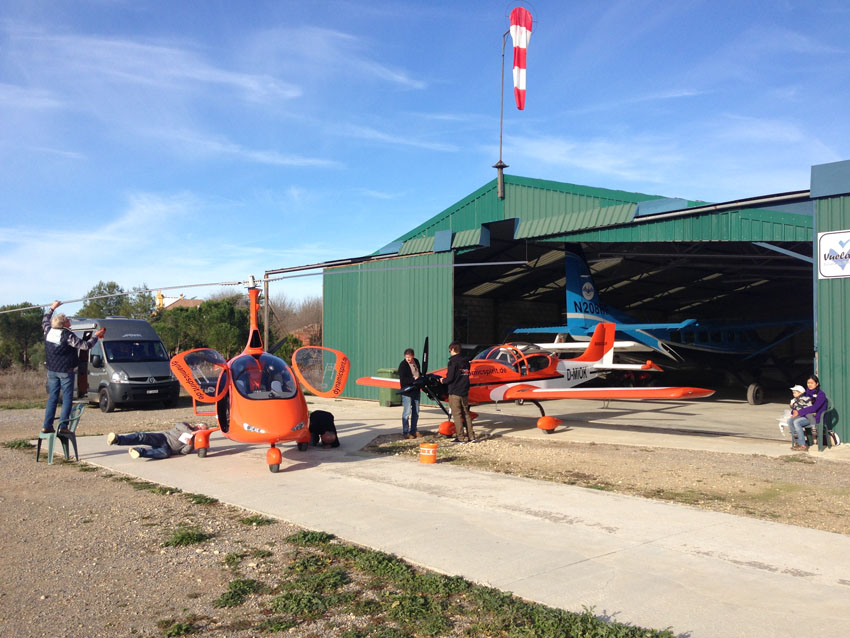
{"x": 106, "y": 403}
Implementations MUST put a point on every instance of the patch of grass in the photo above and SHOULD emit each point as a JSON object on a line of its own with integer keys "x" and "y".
{"x": 200, "y": 499}
{"x": 798, "y": 458}
{"x": 138, "y": 484}
{"x": 84, "y": 467}
{"x": 185, "y": 535}
{"x": 323, "y": 582}
{"x": 22, "y": 404}
{"x": 307, "y": 538}
{"x": 310, "y": 563}
{"x": 261, "y": 553}
{"x": 237, "y": 591}
{"x": 300, "y": 604}
{"x": 233, "y": 560}
{"x": 257, "y": 520}
{"x": 171, "y": 628}
{"x": 18, "y": 444}
{"x": 275, "y": 624}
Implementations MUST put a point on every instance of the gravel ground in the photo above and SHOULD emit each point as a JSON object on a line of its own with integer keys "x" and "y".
{"x": 85, "y": 556}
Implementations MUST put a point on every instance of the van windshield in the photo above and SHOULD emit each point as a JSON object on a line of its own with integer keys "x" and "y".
{"x": 133, "y": 351}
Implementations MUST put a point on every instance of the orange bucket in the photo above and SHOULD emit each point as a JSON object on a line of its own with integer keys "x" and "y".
{"x": 427, "y": 452}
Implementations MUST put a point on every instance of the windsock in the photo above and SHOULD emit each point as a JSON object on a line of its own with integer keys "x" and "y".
{"x": 520, "y": 35}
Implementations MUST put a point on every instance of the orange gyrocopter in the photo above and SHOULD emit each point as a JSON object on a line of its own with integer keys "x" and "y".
{"x": 257, "y": 399}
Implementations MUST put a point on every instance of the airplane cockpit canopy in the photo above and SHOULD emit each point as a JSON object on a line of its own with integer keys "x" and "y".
{"x": 262, "y": 377}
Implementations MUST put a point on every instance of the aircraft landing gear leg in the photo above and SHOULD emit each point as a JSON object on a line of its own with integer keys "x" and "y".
{"x": 273, "y": 458}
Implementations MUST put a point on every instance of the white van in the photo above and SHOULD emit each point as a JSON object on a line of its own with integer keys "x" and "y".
{"x": 129, "y": 366}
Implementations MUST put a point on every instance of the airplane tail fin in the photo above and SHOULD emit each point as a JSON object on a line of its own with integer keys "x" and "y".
{"x": 601, "y": 346}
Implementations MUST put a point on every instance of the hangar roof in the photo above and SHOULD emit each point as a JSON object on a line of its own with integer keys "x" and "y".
{"x": 683, "y": 256}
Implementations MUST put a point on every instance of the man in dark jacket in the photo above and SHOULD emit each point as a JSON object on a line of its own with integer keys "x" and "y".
{"x": 408, "y": 371}
{"x": 178, "y": 440}
{"x": 322, "y": 429}
{"x": 457, "y": 380}
{"x": 61, "y": 348}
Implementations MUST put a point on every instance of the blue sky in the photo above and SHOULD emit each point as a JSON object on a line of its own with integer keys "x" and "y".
{"x": 171, "y": 143}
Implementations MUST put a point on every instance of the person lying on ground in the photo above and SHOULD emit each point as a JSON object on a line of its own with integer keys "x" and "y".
{"x": 160, "y": 445}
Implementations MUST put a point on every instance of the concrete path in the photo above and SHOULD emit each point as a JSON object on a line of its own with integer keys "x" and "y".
{"x": 633, "y": 560}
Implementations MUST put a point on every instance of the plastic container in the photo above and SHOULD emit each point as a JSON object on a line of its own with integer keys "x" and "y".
{"x": 428, "y": 453}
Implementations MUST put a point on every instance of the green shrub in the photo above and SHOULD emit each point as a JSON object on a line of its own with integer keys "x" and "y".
{"x": 187, "y": 536}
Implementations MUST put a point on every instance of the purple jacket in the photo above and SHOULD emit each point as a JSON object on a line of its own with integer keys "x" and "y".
{"x": 818, "y": 405}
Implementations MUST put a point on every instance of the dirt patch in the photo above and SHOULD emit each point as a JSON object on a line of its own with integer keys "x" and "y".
{"x": 795, "y": 489}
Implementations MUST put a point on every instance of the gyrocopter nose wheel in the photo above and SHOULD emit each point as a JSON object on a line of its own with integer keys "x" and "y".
{"x": 273, "y": 459}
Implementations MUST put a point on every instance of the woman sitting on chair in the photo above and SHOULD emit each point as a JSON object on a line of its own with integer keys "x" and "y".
{"x": 808, "y": 416}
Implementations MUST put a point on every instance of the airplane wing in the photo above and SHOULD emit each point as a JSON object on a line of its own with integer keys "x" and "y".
{"x": 380, "y": 382}
{"x": 532, "y": 393}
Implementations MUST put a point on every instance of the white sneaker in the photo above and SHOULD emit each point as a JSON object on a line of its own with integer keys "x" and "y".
{"x": 134, "y": 453}
{"x": 112, "y": 438}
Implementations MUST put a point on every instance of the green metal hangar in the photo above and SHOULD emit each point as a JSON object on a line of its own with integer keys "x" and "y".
{"x": 487, "y": 265}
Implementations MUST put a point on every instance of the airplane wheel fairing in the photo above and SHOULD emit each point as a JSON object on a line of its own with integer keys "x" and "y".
{"x": 447, "y": 428}
{"x": 274, "y": 469}
{"x": 548, "y": 431}
{"x": 303, "y": 446}
{"x": 202, "y": 452}
{"x": 548, "y": 423}
{"x": 755, "y": 394}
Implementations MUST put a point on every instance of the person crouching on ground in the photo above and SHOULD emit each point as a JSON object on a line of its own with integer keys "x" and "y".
{"x": 161, "y": 445}
{"x": 322, "y": 429}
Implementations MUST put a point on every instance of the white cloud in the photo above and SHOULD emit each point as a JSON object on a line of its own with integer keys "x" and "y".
{"x": 111, "y": 62}
{"x": 374, "y": 135}
{"x": 196, "y": 143}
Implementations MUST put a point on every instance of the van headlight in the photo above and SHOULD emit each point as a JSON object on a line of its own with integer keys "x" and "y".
{"x": 119, "y": 376}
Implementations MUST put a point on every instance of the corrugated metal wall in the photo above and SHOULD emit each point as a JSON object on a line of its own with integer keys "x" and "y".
{"x": 737, "y": 225}
{"x": 374, "y": 311}
{"x": 833, "y": 302}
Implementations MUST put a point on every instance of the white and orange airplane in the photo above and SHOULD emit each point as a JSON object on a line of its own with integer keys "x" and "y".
{"x": 523, "y": 372}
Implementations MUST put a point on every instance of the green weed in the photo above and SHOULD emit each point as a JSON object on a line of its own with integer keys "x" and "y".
{"x": 232, "y": 560}
{"x": 200, "y": 499}
{"x": 173, "y": 629}
{"x": 18, "y": 444}
{"x": 275, "y": 624}
{"x": 186, "y": 536}
{"x": 138, "y": 484}
{"x": 299, "y": 604}
{"x": 257, "y": 520}
{"x": 306, "y": 538}
{"x": 237, "y": 591}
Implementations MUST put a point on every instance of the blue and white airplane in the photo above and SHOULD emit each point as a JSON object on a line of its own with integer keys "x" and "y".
{"x": 691, "y": 344}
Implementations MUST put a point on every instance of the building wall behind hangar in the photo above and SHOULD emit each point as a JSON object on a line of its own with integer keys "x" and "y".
{"x": 833, "y": 316}
{"x": 373, "y": 311}
{"x": 486, "y": 321}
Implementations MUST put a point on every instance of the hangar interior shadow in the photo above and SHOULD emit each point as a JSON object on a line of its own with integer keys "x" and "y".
{"x": 651, "y": 281}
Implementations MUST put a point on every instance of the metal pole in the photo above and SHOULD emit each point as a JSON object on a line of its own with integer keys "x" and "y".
{"x": 266, "y": 310}
{"x": 500, "y": 166}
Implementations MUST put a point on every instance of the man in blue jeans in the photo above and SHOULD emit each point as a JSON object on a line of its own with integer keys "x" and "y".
{"x": 408, "y": 372}
{"x": 61, "y": 348}
{"x": 178, "y": 440}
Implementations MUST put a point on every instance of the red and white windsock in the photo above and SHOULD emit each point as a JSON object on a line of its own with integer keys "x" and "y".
{"x": 520, "y": 35}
